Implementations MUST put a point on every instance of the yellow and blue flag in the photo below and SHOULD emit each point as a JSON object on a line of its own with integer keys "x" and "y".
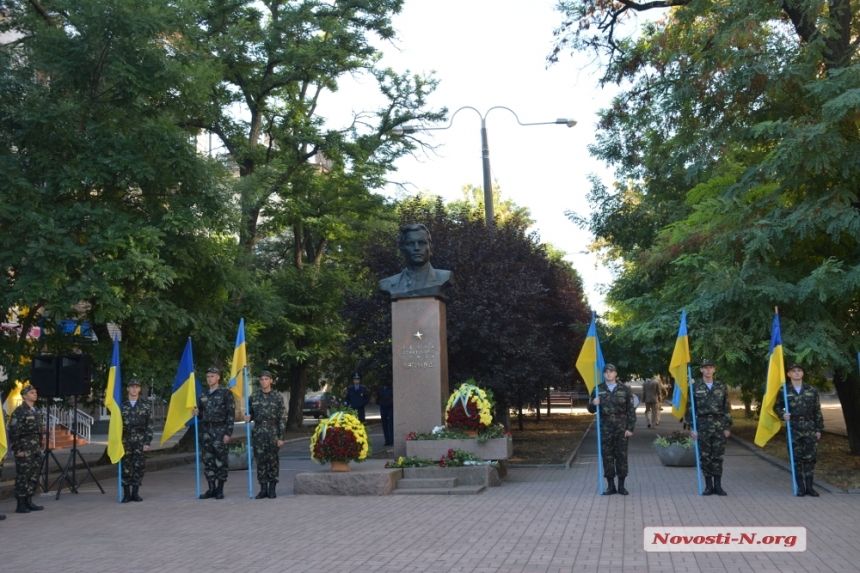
{"x": 769, "y": 423}
{"x": 590, "y": 362}
{"x": 240, "y": 361}
{"x": 184, "y": 397}
{"x": 13, "y": 400}
{"x": 113, "y": 402}
{"x": 4, "y": 442}
{"x": 678, "y": 367}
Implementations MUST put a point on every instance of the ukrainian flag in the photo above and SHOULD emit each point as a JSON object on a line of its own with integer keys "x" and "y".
{"x": 590, "y": 362}
{"x": 13, "y": 400}
{"x": 679, "y": 370}
{"x": 113, "y": 402}
{"x": 769, "y": 423}
{"x": 4, "y": 442}
{"x": 240, "y": 361}
{"x": 184, "y": 397}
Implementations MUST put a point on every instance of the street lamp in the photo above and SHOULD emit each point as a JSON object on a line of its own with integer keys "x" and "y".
{"x": 485, "y": 147}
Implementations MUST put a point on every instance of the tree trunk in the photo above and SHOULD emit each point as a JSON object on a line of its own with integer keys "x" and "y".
{"x": 298, "y": 386}
{"x": 503, "y": 415}
{"x": 520, "y": 415}
{"x": 847, "y": 385}
{"x": 548, "y": 402}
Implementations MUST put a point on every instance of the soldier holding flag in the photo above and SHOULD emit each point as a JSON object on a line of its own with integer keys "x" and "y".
{"x": 807, "y": 423}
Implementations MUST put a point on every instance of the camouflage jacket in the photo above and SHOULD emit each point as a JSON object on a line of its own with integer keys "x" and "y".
{"x": 267, "y": 410}
{"x": 615, "y": 404}
{"x": 217, "y": 408}
{"x": 137, "y": 421}
{"x": 713, "y": 402}
{"x": 25, "y": 428}
{"x": 805, "y": 405}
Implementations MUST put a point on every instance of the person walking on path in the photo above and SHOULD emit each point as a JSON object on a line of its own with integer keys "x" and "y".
{"x": 26, "y": 428}
{"x": 713, "y": 420}
{"x": 266, "y": 410}
{"x": 357, "y": 396}
{"x": 652, "y": 396}
{"x": 617, "y": 420}
{"x": 807, "y": 424}
{"x": 136, "y": 437}
{"x": 385, "y": 399}
{"x": 215, "y": 414}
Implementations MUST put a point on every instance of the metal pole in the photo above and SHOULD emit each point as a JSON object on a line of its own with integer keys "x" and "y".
{"x": 248, "y": 433}
{"x": 788, "y": 431}
{"x": 695, "y": 427}
{"x": 119, "y": 481}
{"x": 489, "y": 216}
{"x": 197, "y": 455}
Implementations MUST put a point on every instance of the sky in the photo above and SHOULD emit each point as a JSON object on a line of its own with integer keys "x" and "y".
{"x": 488, "y": 53}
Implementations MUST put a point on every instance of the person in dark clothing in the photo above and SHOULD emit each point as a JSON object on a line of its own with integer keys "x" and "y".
{"x": 357, "y": 396}
{"x": 385, "y": 399}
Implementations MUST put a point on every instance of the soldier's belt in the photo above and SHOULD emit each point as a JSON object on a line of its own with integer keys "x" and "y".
{"x": 801, "y": 419}
{"x": 615, "y": 417}
{"x": 712, "y": 416}
{"x": 266, "y": 422}
{"x": 136, "y": 430}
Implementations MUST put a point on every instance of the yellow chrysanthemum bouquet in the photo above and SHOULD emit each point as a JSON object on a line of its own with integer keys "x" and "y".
{"x": 341, "y": 437}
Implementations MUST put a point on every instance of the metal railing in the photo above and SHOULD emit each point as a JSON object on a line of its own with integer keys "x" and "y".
{"x": 79, "y": 424}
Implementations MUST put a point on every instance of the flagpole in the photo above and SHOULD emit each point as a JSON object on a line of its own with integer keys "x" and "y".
{"x": 248, "y": 433}
{"x": 790, "y": 444}
{"x": 695, "y": 428}
{"x": 197, "y": 455}
{"x": 119, "y": 481}
{"x": 597, "y": 380}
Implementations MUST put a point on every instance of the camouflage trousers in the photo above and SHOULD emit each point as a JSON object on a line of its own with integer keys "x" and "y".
{"x": 214, "y": 452}
{"x": 265, "y": 443}
{"x": 805, "y": 450}
{"x": 613, "y": 446}
{"x": 712, "y": 447}
{"x": 134, "y": 461}
{"x": 27, "y": 471}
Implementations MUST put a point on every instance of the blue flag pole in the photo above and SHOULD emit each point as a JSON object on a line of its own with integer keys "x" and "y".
{"x": 597, "y": 380}
{"x": 197, "y": 455}
{"x": 788, "y": 432}
{"x": 248, "y": 433}
{"x": 119, "y": 481}
{"x": 695, "y": 428}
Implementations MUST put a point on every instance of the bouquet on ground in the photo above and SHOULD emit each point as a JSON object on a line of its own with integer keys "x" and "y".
{"x": 469, "y": 408}
{"x": 676, "y": 438}
{"x": 341, "y": 437}
{"x": 454, "y": 458}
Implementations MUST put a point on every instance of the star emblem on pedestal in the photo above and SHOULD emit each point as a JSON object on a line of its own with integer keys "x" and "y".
{"x": 418, "y": 335}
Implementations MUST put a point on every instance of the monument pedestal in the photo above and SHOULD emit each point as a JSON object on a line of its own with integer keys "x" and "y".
{"x": 419, "y": 342}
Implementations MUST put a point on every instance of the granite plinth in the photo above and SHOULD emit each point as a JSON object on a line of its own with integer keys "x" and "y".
{"x": 368, "y": 478}
{"x": 466, "y": 475}
{"x": 419, "y": 341}
{"x": 495, "y": 449}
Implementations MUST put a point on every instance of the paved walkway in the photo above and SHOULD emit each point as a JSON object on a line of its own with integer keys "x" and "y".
{"x": 540, "y": 520}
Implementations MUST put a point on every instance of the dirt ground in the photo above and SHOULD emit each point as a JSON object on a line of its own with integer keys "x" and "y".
{"x": 835, "y": 465}
{"x": 549, "y": 442}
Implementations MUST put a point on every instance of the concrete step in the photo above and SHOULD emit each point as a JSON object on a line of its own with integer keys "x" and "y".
{"x": 423, "y": 483}
{"x": 460, "y": 490}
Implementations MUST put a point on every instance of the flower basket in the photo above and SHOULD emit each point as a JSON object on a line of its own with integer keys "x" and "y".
{"x": 338, "y": 466}
{"x": 340, "y": 438}
{"x": 469, "y": 409}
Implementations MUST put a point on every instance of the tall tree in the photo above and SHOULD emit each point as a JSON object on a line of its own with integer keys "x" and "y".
{"x": 735, "y": 140}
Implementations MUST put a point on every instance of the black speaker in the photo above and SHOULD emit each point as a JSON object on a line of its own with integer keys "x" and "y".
{"x": 75, "y": 375}
{"x": 44, "y": 376}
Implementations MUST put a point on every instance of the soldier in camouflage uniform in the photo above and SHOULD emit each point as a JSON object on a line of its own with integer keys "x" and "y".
{"x": 136, "y": 437}
{"x": 26, "y": 429}
{"x": 215, "y": 415}
{"x": 617, "y": 420}
{"x": 807, "y": 423}
{"x": 713, "y": 420}
{"x": 266, "y": 410}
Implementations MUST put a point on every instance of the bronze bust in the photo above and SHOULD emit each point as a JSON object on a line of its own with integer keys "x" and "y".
{"x": 419, "y": 278}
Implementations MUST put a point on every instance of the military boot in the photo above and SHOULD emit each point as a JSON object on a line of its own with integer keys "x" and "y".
{"x": 610, "y": 490}
{"x": 621, "y": 489}
{"x": 219, "y": 489}
{"x": 809, "y": 490}
{"x": 126, "y": 493}
{"x": 210, "y": 492}
{"x": 32, "y": 506}
{"x": 272, "y": 485}
{"x": 718, "y": 485}
{"x": 264, "y": 491}
{"x": 2, "y": 517}
{"x": 709, "y": 486}
{"x": 134, "y": 496}
{"x": 801, "y": 485}
{"x": 22, "y": 506}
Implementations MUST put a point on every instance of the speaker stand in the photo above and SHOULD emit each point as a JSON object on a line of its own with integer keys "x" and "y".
{"x": 74, "y": 456}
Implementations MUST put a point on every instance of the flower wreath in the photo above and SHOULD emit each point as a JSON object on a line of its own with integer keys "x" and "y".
{"x": 340, "y": 437}
{"x": 468, "y": 408}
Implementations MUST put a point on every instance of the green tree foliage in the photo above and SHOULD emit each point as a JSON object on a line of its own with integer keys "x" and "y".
{"x": 735, "y": 143}
{"x": 107, "y": 213}
{"x": 509, "y": 315}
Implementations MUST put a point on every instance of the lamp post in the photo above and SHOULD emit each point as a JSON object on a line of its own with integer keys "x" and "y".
{"x": 485, "y": 147}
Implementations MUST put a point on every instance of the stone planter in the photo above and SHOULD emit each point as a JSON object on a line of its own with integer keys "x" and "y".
{"x": 237, "y": 461}
{"x": 676, "y": 456}
{"x": 495, "y": 449}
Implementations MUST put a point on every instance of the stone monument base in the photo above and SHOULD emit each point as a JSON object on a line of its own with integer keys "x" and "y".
{"x": 495, "y": 449}
{"x": 367, "y": 478}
